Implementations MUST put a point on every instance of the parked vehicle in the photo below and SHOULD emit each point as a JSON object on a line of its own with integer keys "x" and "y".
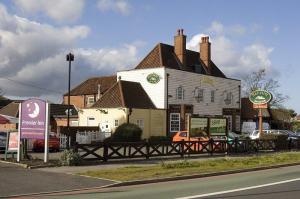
{"x": 183, "y": 135}
{"x": 54, "y": 144}
{"x": 291, "y": 135}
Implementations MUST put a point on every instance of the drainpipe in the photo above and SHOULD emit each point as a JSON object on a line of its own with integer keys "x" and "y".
{"x": 167, "y": 105}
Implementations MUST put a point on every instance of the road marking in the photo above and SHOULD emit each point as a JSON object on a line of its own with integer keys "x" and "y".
{"x": 240, "y": 189}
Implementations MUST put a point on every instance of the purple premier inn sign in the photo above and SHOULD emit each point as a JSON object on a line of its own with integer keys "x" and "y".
{"x": 33, "y": 119}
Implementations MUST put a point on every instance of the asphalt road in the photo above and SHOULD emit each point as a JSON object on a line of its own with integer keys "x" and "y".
{"x": 15, "y": 180}
{"x": 287, "y": 185}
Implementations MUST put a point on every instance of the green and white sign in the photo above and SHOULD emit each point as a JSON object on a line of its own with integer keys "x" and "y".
{"x": 198, "y": 127}
{"x": 217, "y": 126}
{"x": 153, "y": 78}
{"x": 260, "y": 97}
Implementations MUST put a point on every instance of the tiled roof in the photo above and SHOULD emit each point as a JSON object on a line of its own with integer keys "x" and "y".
{"x": 4, "y": 101}
{"x": 125, "y": 94}
{"x": 162, "y": 55}
{"x": 61, "y": 110}
{"x": 90, "y": 86}
{"x": 12, "y": 109}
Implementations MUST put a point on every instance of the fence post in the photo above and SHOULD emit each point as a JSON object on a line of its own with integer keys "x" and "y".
{"x": 290, "y": 145}
{"x": 211, "y": 146}
{"x": 236, "y": 142}
{"x": 147, "y": 149}
{"x": 75, "y": 147}
{"x": 182, "y": 148}
{"x": 105, "y": 152}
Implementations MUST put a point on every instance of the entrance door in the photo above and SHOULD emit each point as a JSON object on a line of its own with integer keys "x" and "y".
{"x": 174, "y": 122}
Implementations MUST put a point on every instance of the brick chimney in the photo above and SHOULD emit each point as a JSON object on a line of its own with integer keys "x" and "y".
{"x": 180, "y": 47}
{"x": 205, "y": 52}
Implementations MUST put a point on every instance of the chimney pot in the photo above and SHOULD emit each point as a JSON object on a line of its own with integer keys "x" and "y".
{"x": 205, "y": 52}
{"x": 180, "y": 47}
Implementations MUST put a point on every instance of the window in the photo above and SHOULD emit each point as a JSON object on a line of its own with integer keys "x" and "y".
{"x": 201, "y": 95}
{"x": 140, "y": 123}
{"x": 174, "y": 122}
{"x": 116, "y": 123}
{"x": 180, "y": 93}
{"x": 212, "y": 96}
{"x": 91, "y": 121}
{"x": 74, "y": 123}
{"x": 90, "y": 100}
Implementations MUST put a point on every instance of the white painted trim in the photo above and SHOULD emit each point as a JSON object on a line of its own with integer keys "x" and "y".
{"x": 239, "y": 189}
{"x": 46, "y": 151}
{"x": 174, "y": 120}
{"x": 19, "y": 134}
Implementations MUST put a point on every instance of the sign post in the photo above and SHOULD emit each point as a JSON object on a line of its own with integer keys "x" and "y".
{"x": 260, "y": 100}
{"x": 33, "y": 123}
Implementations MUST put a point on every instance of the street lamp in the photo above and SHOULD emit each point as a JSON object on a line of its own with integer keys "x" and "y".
{"x": 70, "y": 58}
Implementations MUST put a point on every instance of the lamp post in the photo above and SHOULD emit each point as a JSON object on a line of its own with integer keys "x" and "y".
{"x": 70, "y": 58}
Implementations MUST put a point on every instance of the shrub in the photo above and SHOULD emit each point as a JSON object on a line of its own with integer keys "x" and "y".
{"x": 70, "y": 158}
{"x": 127, "y": 133}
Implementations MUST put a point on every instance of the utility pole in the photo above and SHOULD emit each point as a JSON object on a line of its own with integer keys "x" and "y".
{"x": 70, "y": 58}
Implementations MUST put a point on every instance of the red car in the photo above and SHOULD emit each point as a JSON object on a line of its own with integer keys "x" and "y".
{"x": 39, "y": 145}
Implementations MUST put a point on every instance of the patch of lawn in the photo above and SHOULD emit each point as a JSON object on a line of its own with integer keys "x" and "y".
{"x": 185, "y": 167}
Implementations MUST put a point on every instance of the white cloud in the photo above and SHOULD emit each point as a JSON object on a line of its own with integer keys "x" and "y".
{"x": 276, "y": 29}
{"x": 34, "y": 54}
{"x": 233, "y": 59}
{"x": 59, "y": 10}
{"x": 119, "y": 6}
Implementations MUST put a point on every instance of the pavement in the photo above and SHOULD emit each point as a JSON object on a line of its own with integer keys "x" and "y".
{"x": 15, "y": 180}
{"x": 272, "y": 183}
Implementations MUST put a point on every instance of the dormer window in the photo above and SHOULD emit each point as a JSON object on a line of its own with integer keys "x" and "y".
{"x": 90, "y": 100}
{"x": 180, "y": 93}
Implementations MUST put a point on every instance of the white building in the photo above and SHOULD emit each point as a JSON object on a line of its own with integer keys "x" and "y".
{"x": 187, "y": 82}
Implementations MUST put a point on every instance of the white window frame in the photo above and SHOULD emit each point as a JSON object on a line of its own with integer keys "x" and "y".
{"x": 177, "y": 120}
{"x": 212, "y": 96}
{"x": 180, "y": 93}
{"x": 88, "y": 119}
{"x": 116, "y": 123}
{"x": 140, "y": 123}
{"x": 88, "y": 100}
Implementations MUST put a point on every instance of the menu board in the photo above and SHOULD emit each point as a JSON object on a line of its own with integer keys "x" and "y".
{"x": 198, "y": 127}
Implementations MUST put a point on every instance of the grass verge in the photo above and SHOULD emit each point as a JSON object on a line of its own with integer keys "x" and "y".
{"x": 185, "y": 167}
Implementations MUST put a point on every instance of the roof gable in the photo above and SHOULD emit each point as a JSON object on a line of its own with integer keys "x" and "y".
{"x": 125, "y": 94}
{"x": 162, "y": 55}
{"x": 90, "y": 86}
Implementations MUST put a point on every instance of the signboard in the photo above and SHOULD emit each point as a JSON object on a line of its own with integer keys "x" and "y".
{"x": 198, "y": 127}
{"x": 260, "y": 97}
{"x": 33, "y": 119}
{"x": 217, "y": 126}
{"x": 255, "y": 106}
{"x": 153, "y": 78}
{"x": 12, "y": 144}
{"x": 34, "y": 123}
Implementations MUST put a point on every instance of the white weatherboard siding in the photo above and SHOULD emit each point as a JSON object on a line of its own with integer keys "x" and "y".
{"x": 156, "y": 92}
{"x": 222, "y": 88}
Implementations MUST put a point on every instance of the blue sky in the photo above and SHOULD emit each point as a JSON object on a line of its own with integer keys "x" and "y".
{"x": 111, "y": 35}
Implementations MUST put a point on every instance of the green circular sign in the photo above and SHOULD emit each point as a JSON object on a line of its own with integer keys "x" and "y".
{"x": 260, "y": 97}
{"x": 153, "y": 78}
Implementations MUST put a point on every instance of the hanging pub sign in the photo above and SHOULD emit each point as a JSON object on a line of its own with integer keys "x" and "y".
{"x": 198, "y": 127}
{"x": 34, "y": 122}
{"x": 260, "y": 97}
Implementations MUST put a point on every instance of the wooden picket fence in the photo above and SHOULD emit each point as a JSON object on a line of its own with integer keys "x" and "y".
{"x": 145, "y": 149}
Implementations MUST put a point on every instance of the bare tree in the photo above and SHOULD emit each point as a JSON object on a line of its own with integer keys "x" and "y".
{"x": 259, "y": 80}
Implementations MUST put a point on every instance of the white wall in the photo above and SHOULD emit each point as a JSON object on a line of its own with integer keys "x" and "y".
{"x": 189, "y": 81}
{"x": 156, "y": 91}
